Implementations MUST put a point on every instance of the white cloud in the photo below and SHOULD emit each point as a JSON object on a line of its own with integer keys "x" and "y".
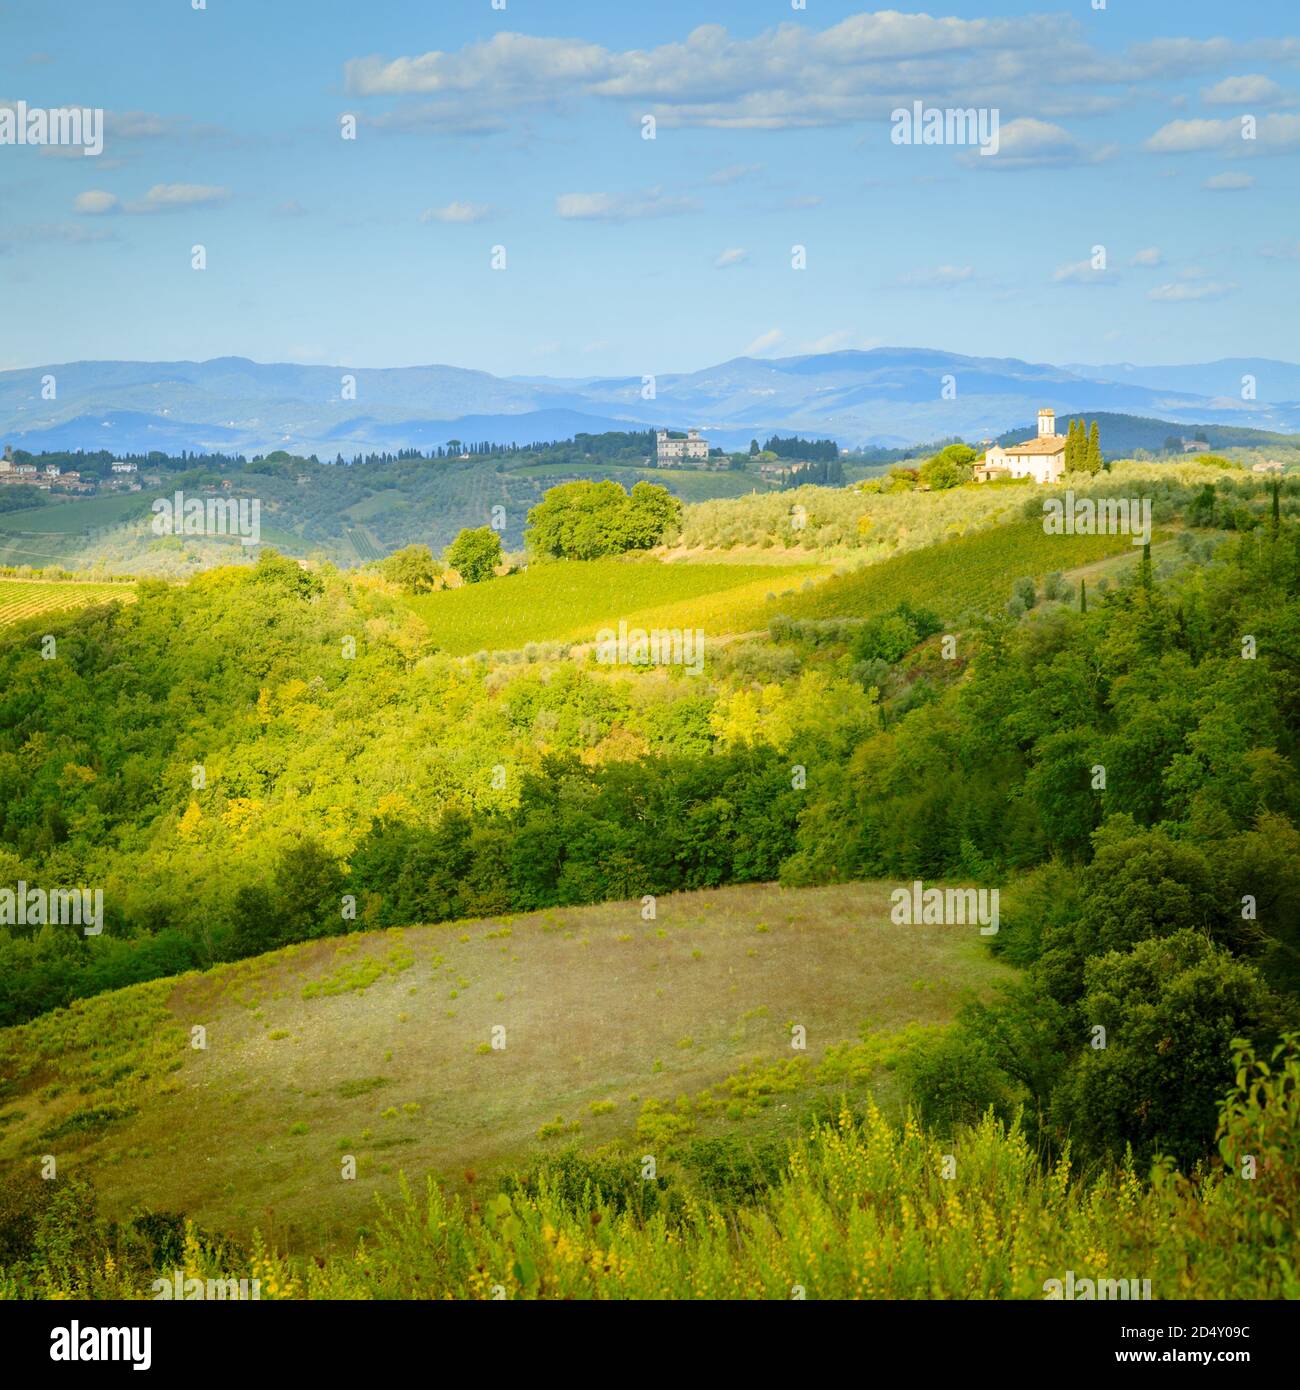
{"x": 1151, "y": 256}
{"x": 95, "y": 201}
{"x": 171, "y": 197}
{"x": 457, "y": 212}
{"x": 1273, "y": 134}
{"x": 619, "y": 207}
{"x": 1027, "y": 143}
{"x": 1178, "y": 57}
{"x": 1229, "y": 183}
{"x": 1190, "y": 290}
{"x": 1083, "y": 273}
{"x": 765, "y": 342}
{"x": 1253, "y": 90}
{"x": 1281, "y": 251}
{"x": 939, "y": 275}
{"x": 791, "y": 75}
{"x": 736, "y": 255}
{"x": 734, "y": 173}
{"x": 505, "y": 60}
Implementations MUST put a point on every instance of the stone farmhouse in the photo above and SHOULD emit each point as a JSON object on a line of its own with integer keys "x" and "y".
{"x": 1042, "y": 459}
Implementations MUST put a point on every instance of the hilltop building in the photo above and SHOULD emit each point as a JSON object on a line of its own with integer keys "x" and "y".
{"x": 1042, "y": 459}
{"x": 119, "y": 466}
{"x": 678, "y": 449}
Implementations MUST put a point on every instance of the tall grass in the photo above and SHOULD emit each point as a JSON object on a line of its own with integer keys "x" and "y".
{"x": 865, "y": 1209}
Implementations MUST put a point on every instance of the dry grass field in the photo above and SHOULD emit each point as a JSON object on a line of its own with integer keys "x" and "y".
{"x": 380, "y": 1046}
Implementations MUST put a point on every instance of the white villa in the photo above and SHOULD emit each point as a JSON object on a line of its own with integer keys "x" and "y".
{"x": 1042, "y": 459}
{"x": 692, "y": 449}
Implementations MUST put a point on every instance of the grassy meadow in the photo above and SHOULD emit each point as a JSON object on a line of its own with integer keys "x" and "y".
{"x": 379, "y": 1045}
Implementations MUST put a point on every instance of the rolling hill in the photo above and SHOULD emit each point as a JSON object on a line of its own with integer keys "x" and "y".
{"x": 379, "y": 1045}
{"x": 886, "y": 396}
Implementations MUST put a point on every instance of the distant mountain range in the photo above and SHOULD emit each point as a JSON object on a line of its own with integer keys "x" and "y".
{"x": 889, "y": 397}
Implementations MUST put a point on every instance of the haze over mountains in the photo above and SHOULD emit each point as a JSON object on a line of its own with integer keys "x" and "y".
{"x": 886, "y": 396}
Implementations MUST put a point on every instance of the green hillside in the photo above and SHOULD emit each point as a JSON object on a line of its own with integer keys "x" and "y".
{"x": 379, "y": 1045}
{"x": 971, "y": 573}
{"x": 570, "y": 600}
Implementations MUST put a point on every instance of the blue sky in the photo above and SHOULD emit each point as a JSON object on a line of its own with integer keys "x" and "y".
{"x": 480, "y": 127}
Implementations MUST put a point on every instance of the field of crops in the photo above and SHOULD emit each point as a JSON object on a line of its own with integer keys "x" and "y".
{"x": 76, "y": 517}
{"x": 970, "y": 573}
{"x": 570, "y": 600}
{"x": 26, "y": 598}
{"x": 363, "y": 543}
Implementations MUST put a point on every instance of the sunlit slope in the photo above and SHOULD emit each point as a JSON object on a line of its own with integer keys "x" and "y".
{"x": 972, "y": 573}
{"x": 30, "y": 598}
{"x": 571, "y": 600}
{"x": 380, "y": 1046}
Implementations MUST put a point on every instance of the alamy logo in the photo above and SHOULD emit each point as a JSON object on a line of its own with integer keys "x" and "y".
{"x": 60, "y": 907}
{"x": 945, "y": 907}
{"x": 1101, "y": 516}
{"x": 922, "y": 125}
{"x": 214, "y": 1290}
{"x": 21, "y": 124}
{"x": 179, "y": 515}
{"x": 77, "y": 1343}
{"x": 658, "y": 647}
{"x": 1084, "y": 1290}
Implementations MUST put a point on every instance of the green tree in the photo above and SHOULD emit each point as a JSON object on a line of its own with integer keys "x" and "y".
{"x": 1171, "y": 1010}
{"x": 949, "y": 467}
{"x": 413, "y": 567}
{"x": 474, "y": 554}
{"x": 1093, "y": 462}
{"x": 1075, "y": 446}
{"x": 585, "y": 520}
{"x": 649, "y": 515}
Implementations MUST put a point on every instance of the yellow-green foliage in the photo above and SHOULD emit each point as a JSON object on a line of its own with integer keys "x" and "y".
{"x": 866, "y": 1209}
{"x": 361, "y": 974}
{"x": 108, "y": 1053}
{"x": 873, "y": 526}
{"x": 869, "y": 526}
{"x": 971, "y": 573}
{"x": 571, "y": 600}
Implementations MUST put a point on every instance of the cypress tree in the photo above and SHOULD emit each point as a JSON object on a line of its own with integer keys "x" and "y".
{"x": 1083, "y": 596}
{"x": 1093, "y": 464}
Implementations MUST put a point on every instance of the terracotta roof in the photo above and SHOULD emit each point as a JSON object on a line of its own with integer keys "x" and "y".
{"x": 1048, "y": 444}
